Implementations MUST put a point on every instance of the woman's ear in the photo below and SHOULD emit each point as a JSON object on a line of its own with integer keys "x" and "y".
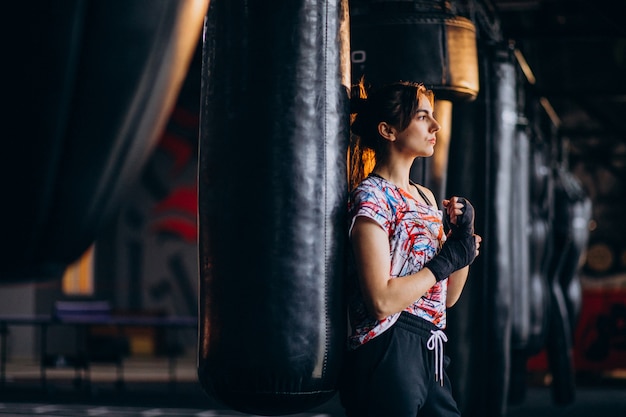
{"x": 387, "y": 131}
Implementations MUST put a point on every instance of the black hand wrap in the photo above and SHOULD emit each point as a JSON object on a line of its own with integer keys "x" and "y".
{"x": 464, "y": 223}
{"x": 456, "y": 253}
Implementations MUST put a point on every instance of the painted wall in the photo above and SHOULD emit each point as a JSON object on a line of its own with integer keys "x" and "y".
{"x": 147, "y": 258}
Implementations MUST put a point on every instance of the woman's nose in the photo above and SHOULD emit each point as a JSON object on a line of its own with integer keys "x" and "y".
{"x": 435, "y": 126}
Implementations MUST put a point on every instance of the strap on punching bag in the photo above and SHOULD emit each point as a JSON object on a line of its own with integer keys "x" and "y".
{"x": 272, "y": 203}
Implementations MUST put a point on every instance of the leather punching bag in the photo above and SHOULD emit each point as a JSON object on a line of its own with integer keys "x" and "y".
{"x": 421, "y": 41}
{"x": 572, "y": 213}
{"x": 520, "y": 242}
{"x": 542, "y": 214}
{"x": 272, "y": 203}
{"x": 520, "y": 263}
{"x": 538, "y": 293}
{"x": 418, "y": 41}
{"x": 91, "y": 85}
{"x": 480, "y": 167}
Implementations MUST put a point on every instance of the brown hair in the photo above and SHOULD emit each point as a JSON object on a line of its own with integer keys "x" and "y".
{"x": 396, "y": 104}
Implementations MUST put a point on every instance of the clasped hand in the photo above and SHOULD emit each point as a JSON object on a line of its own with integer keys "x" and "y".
{"x": 458, "y": 216}
{"x": 459, "y": 220}
{"x": 461, "y": 247}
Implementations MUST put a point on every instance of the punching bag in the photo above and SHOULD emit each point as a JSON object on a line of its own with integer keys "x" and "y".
{"x": 540, "y": 187}
{"x": 572, "y": 213}
{"x": 520, "y": 261}
{"x": 91, "y": 88}
{"x": 420, "y": 41}
{"x": 480, "y": 166}
{"x": 520, "y": 242}
{"x": 542, "y": 214}
{"x": 272, "y": 203}
{"x": 573, "y": 206}
{"x": 520, "y": 264}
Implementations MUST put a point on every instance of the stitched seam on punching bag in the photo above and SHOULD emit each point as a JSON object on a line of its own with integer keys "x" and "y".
{"x": 326, "y": 210}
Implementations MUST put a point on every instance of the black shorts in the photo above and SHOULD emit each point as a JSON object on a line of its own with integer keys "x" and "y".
{"x": 393, "y": 375}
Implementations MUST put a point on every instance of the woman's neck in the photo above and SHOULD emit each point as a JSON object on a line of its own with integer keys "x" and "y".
{"x": 395, "y": 174}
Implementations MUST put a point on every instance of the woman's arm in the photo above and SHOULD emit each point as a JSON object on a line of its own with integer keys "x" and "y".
{"x": 456, "y": 283}
{"x": 384, "y": 295}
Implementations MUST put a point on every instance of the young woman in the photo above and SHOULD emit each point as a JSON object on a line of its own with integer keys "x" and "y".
{"x": 407, "y": 270}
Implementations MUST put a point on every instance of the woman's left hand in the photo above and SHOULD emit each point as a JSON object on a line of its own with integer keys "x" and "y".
{"x": 459, "y": 215}
{"x": 453, "y": 208}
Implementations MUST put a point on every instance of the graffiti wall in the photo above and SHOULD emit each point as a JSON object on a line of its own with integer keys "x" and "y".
{"x": 147, "y": 258}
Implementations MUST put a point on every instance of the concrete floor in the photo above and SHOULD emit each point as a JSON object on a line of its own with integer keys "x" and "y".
{"x": 150, "y": 391}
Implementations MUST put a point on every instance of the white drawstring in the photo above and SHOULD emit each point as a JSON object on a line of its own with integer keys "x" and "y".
{"x": 435, "y": 342}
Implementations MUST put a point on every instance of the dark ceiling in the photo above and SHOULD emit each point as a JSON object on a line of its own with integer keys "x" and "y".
{"x": 577, "y": 52}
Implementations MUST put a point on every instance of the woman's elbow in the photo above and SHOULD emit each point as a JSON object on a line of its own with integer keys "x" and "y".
{"x": 451, "y": 301}
{"x": 380, "y": 309}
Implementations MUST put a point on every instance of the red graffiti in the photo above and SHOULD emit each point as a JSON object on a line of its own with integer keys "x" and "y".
{"x": 176, "y": 214}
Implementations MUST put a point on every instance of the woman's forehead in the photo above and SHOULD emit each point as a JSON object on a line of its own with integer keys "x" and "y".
{"x": 424, "y": 102}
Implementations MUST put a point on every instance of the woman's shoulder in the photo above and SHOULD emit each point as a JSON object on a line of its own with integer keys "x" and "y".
{"x": 371, "y": 199}
{"x": 372, "y": 191}
{"x": 370, "y": 186}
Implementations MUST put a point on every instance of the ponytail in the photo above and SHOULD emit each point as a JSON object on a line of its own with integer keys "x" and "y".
{"x": 361, "y": 159}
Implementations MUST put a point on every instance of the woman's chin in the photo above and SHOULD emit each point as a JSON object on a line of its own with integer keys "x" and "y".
{"x": 429, "y": 152}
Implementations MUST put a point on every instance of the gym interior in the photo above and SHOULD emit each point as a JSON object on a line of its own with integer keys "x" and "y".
{"x": 175, "y": 190}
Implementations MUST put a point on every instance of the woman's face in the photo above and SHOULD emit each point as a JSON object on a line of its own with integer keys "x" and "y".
{"x": 419, "y": 137}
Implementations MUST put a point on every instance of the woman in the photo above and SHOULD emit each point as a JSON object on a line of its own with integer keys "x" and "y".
{"x": 407, "y": 270}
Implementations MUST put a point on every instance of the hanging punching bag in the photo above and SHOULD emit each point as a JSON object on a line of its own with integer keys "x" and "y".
{"x": 272, "y": 203}
{"x": 538, "y": 293}
{"x": 520, "y": 244}
{"x": 94, "y": 83}
{"x": 481, "y": 165}
{"x": 420, "y": 41}
{"x": 572, "y": 212}
{"x": 520, "y": 261}
{"x": 542, "y": 198}
{"x": 573, "y": 205}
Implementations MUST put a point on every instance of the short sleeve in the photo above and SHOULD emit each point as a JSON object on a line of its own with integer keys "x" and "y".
{"x": 370, "y": 201}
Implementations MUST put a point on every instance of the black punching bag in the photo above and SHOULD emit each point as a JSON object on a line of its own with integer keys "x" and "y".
{"x": 91, "y": 86}
{"x": 542, "y": 214}
{"x": 418, "y": 41}
{"x": 272, "y": 202}
{"x": 537, "y": 291}
{"x": 421, "y": 41}
{"x": 480, "y": 167}
{"x": 572, "y": 213}
{"x": 520, "y": 262}
{"x": 520, "y": 239}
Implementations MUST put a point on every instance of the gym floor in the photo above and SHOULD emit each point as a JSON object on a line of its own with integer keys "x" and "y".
{"x": 149, "y": 391}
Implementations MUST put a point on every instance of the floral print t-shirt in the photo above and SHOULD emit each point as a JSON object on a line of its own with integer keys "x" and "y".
{"x": 415, "y": 233}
